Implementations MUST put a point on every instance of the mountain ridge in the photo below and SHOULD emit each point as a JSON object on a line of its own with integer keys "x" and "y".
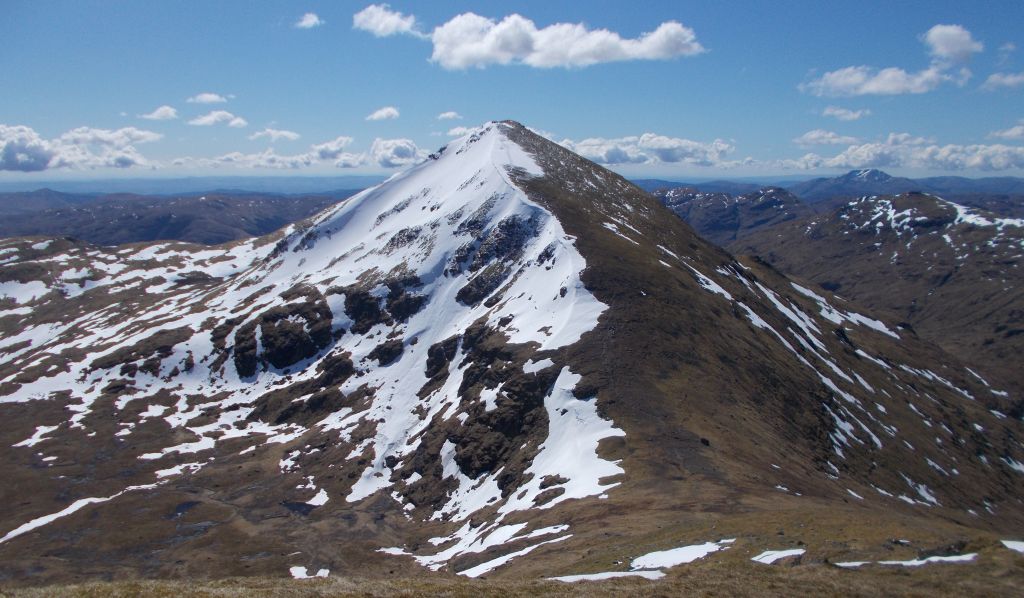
{"x": 506, "y": 360}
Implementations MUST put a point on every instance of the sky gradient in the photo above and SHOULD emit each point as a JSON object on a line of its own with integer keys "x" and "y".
{"x": 670, "y": 89}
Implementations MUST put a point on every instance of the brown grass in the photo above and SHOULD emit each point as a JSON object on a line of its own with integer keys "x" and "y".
{"x": 1004, "y": 577}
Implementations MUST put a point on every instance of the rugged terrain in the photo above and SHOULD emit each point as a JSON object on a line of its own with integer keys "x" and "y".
{"x": 952, "y": 272}
{"x": 1002, "y": 195}
{"x": 209, "y": 218}
{"x": 723, "y": 218}
{"x": 506, "y": 361}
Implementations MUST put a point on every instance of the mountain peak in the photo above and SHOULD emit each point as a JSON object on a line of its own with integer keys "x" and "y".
{"x": 867, "y": 175}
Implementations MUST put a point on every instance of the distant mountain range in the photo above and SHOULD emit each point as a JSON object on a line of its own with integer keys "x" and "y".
{"x": 857, "y": 183}
{"x": 128, "y": 218}
{"x": 175, "y": 186}
{"x": 1001, "y": 195}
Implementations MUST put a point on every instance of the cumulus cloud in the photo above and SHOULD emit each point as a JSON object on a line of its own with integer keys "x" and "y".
{"x": 207, "y": 98}
{"x": 948, "y": 45}
{"x": 650, "y": 148}
{"x": 451, "y": 115}
{"x": 823, "y": 137}
{"x": 385, "y": 113}
{"x": 1003, "y": 81}
{"x": 845, "y": 113}
{"x": 469, "y": 40}
{"x": 24, "y": 150}
{"x": 164, "y": 112}
{"x": 901, "y": 150}
{"x": 865, "y": 80}
{"x": 381, "y": 21}
{"x": 309, "y": 21}
{"x": 459, "y": 131}
{"x": 219, "y": 116}
{"x": 1015, "y": 132}
{"x": 275, "y": 134}
{"x": 333, "y": 149}
{"x": 951, "y": 42}
{"x": 393, "y": 153}
{"x": 329, "y": 151}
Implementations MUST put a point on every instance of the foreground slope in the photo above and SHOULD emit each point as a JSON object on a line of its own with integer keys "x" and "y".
{"x": 505, "y": 360}
{"x": 951, "y": 271}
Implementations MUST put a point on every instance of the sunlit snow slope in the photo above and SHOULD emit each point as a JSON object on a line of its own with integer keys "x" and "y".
{"x": 504, "y": 359}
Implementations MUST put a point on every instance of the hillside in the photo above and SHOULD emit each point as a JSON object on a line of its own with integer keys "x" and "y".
{"x": 506, "y": 361}
{"x": 952, "y": 272}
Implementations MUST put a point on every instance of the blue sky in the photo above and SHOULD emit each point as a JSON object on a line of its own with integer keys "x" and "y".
{"x": 716, "y": 89}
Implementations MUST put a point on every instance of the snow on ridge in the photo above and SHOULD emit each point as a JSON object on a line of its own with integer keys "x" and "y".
{"x": 414, "y": 224}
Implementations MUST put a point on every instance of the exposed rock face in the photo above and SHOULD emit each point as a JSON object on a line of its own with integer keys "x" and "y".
{"x": 498, "y": 360}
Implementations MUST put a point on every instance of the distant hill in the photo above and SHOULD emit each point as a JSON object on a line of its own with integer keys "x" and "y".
{"x": 313, "y": 185}
{"x": 126, "y": 218}
{"x": 719, "y": 186}
{"x": 859, "y": 183}
{"x": 723, "y": 218}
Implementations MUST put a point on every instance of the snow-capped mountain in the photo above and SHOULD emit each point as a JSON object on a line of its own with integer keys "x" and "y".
{"x": 505, "y": 360}
{"x": 952, "y": 271}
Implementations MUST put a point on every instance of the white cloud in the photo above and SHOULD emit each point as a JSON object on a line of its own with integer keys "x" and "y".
{"x": 451, "y": 115}
{"x": 329, "y": 151}
{"x": 906, "y": 151}
{"x": 109, "y": 137}
{"x": 22, "y": 149}
{"x": 1003, "y": 80}
{"x": 865, "y": 80}
{"x": 470, "y": 40}
{"x": 1015, "y": 132}
{"x": 650, "y": 148}
{"x": 381, "y": 21}
{"x": 459, "y": 131}
{"x": 392, "y": 153}
{"x": 948, "y": 45}
{"x": 823, "y": 137}
{"x": 219, "y": 116}
{"x": 333, "y": 149}
{"x": 951, "y": 42}
{"x": 385, "y": 113}
{"x": 207, "y": 98}
{"x": 845, "y": 113}
{"x": 309, "y": 21}
{"x": 265, "y": 159}
{"x": 275, "y": 134}
{"x": 164, "y": 112}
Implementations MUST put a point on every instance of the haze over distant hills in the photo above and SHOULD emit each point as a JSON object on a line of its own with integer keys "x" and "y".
{"x": 171, "y": 186}
{"x": 114, "y": 219}
{"x": 876, "y": 182}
